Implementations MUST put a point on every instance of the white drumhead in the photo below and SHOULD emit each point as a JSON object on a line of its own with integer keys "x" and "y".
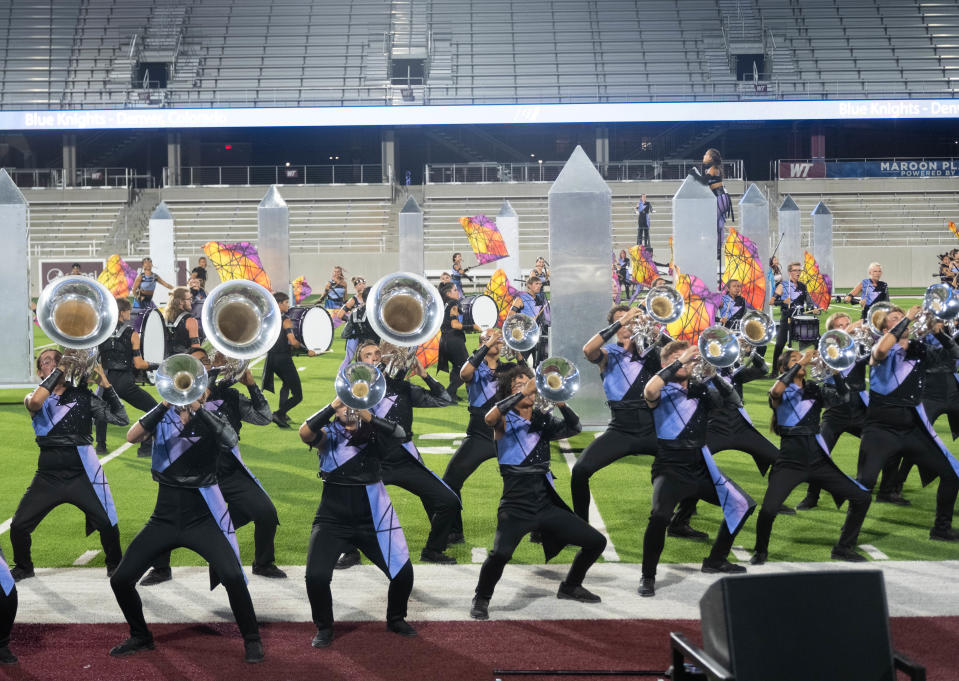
{"x": 485, "y": 312}
{"x": 153, "y": 337}
{"x": 808, "y": 318}
{"x": 317, "y": 329}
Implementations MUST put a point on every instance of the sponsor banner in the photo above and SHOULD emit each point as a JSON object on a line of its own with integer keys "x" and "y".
{"x": 91, "y": 267}
{"x": 801, "y": 169}
{"x": 895, "y": 168}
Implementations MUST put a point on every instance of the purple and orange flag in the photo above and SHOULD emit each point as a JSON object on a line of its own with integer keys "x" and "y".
{"x": 237, "y": 261}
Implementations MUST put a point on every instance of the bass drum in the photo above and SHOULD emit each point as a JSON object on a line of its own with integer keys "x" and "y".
{"x": 313, "y": 327}
{"x": 152, "y": 336}
{"x": 479, "y": 310}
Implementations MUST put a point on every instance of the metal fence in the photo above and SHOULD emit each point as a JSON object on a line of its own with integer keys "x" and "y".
{"x": 56, "y": 178}
{"x": 290, "y": 174}
{"x": 548, "y": 171}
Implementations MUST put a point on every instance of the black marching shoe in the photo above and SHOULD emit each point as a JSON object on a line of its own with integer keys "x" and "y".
{"x": 759, "y": 558}
{"x": 848, "y": 555}
{"x": 686, "y": 532}
{"x": 401, "y": 627}
{"x": 323, "y": 638}
{"x": 455, "y": 539}
{"x": 438, "y": 557}
{"x": 892, "y": 498}
{"x": 279, "y": 420}
{"x": 807, "y": 504}
{"x": 724, "y": 566}
{"x": 480, "y": 608}
{"x": 348, "y": 560}
{"x": 157, "y": 576}
{"x": 647, "y": 587}
{"x": 6, "y": 657}
{"x": 947, "y": 534}
{"x": 576, "y": 593}
{"x": 132, "y": 645}
{"x": 101, "y": 449}
{"x": 786, "y": 510}
{"x": 271, "y": 571}
{"x": 253, "y": 652}
{"x": 18, "y": 573}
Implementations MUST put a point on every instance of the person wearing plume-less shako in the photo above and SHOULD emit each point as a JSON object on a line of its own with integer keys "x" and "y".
{"x": 68, "y": 471}
{"x": 355, "y": 510}
{"x": 480, "y": 374}
{"x": 683, "y": 466}
{"x": 244, "y": 495}
{"x": 279, "y": 361}
{"x": 402, "y": 464}
{"x": 120, "y": 355}
{"x": 529, "y": 500}
{"x": 624, "y": 369}
{"x": 452, "y": 352}
{"x": 190, "y": 512}
{"x": 804, "y": 453}
{"x": 8, "y": 611}
{"x": 896, "y": 423}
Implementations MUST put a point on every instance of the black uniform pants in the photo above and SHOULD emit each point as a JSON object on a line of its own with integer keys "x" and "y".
{"x": 128, "y": 391}
{"x": 8, "y": 612}
{"x": 802, "y": 461}
{"x": 291, "y": 392}
{"x": 454, "y": 348}
{"x": 440, "y": 502}
{"x": 343, "y": 521}
{"x": 782, "y": 339}
{"x": 611, "y": 446}
{"x": 834, "y": 425}
{"x": 182, "y": 518}
{"x": 476, "y": 448}
{"x": 642, "y": 233}
{"x": 565, "y": 526}
{"x": 893, "y": 481}
{"x": 48, "y": 490}
{"x": 882, "y": 441}
{"x": 738, "y": 436}
{"x": 668, "y": 491}
{"x": 247, "y": 502}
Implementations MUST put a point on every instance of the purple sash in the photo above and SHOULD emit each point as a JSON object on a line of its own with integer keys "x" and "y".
{"x": 236, "y": 452}
{"x": 935, "y": 436}
{"x": 6, "y": 579}
{"x": 736, "y": 504}
{"x": 389, "y": 534}
{"x": 97, "y": 478}
{"x": 217, "y": 505}
{"x": 825, "y": 450}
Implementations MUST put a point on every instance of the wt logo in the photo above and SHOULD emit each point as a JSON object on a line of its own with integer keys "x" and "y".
{"x": 799, "y": 169}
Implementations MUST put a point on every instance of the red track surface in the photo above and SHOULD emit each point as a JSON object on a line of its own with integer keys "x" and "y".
{"x": 443, "y": 650}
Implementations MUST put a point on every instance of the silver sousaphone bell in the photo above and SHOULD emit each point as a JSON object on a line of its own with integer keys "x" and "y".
{"x": 360, "y": 385}
{"x": 837, "y": 352}
{"x": 181, "y": 379}
{"x": 404, "y": 309}
{"x": 241, "y": 319}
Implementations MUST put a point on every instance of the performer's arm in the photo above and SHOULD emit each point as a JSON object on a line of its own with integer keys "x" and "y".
{"x": 108, "y": 408}
{"x": 143, "y": 429}
{"x": 837, "y": 393}
{"x": 34, "y": 401}
{"x": 193, "y": 333}
{"x": 291, "y": 338}
{"x": 881, "y": 349}
{"x": 160, "y": 280}
{"x": 473, "y": 363}
{"x": 138, "y": 361}
{"x": 568, "y": 426}
{"x": 311, "y": 432}
{"x": 787, "y": 377}
{"x": 136, "y": 285}
{"x": 949, "y": 345}
{"x": 856, "y": 290}
{"x": 494, "y": 417}
{"x": 384, "y": 427}
{"x": 225, "y": 436}
{"x": 437, "y": 395}
{"x": 755, "y": 370}
{"x": 726, "y": 393}
{"x": 255, "y": 409}
{"x": 655, "y": 385}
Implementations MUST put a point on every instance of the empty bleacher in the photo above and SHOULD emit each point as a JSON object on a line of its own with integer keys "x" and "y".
{"x": 72, "y": 222}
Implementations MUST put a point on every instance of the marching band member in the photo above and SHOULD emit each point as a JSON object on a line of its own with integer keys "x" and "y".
{"x": 457, "y": 272}
{"x": 480, "y": 374}
{"x": 625, "y": 369}
{"x": 683, "y": 466}
{"x": 8, "y": 610}
{"x": 453, "y": 339}
{"x": 734, "y": 305}
{"x": 68, "y": 471}
{"x": 279, "y": 361}
{"x": 530, "y": 302}
{"x": 896, "y": 423}
{"x": 145, "y": 285}
{"x": 357, "y": 329}
{"x": 183, "y": 329}
{"x": 334, "y": 293}
{"x": 355, "y": 511}
{"x": 529, "y": 500}
{"x": 712, "y": 177}
{"x": 804, "y": 456}
{"x": 792, "y": 297}
{"x": 871, "y": 289}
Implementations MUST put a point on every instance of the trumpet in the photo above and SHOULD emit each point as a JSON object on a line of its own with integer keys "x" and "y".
{"x": 718, "y": 349}
{"x": 78, "y": 313}
{"x": 557, "y": 380}
{"x": 837, "y": 351}
{"x": 181, "y": 379}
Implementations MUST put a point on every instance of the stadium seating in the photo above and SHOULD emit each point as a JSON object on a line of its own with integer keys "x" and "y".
{"x": 83, "y": 54}
{"x": 72, "y": 222}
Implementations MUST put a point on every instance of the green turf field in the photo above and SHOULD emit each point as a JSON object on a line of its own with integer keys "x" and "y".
{"x": 288, "y": 470}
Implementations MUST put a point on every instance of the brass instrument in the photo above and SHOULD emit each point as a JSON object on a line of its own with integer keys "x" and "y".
{"x": 718, "y": 349}
{"x": 181, "y": 379}
{"x": 837, "y": 351}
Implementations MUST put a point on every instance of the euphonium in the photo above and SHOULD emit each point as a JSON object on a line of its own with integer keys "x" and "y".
{"x": 181, "y": 379}
{"x": 718, "y": 349}
{"x": 664, "y": 304}
{"x": 360, "y": 385}
{"x": 939, "y": 304}
{"x": 877, "y": 315}
{"x": 837, "y": 352}
{"x": 557, "y": 379}
{"x": 404, "y": 309}
{"x": 241, "y": 319}
{"x": 521, "y": 333}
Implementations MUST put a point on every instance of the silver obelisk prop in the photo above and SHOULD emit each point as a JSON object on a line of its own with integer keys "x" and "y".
{"x": 162, "y": 250}
{"x": 16, "y": 326}
{"x": 508, "y": 223}
{"x": 754, "y": 224}
{"x": 790, "y": 233}
{"x": 273, "y": 239}
{"x": 821, "y": 241}
{"x": 580, "y": 243}
{"x": 694, "y": 231}
{"x": 412, "y": 258}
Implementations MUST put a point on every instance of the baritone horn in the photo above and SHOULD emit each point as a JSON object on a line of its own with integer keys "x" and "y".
{"x": 718, "y": 349}
{"x": 520, "y": 332}
{"x": 181, "y": 379}
{"x": 242, "y": 320}
{"x": 939, "y": 304}
{"x": 664, "y": 304}
{"x": 557, "y": 379}
{"x": 404, "y": 309}
{"x": 837, "y": 351}
{"x": 360, "y": 386}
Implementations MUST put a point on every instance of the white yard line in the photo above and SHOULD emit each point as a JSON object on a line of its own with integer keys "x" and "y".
{"x": 596, "y": 520}
{"x": 873, "y": 552}
{"x": 478, "y": 554}
{"x": 742, "y": 555}
{"x": 86, "y": 557}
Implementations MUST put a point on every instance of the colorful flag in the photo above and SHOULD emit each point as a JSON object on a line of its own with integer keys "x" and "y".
{"x": 118, "y": 277}
{"x": 743, "y": 264}
{"x": 644, "y": 269}
{"x": 301, "y": 290}
{"x": 699, "y": 310}
{"x": 500, "y": 290}
{"x": 428, "y": 353}
{"x": 819, "y": 285}
{"x": 953, "y": 229}
{"x": 485, "y": 239}
{"x": 237, "y": 261}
